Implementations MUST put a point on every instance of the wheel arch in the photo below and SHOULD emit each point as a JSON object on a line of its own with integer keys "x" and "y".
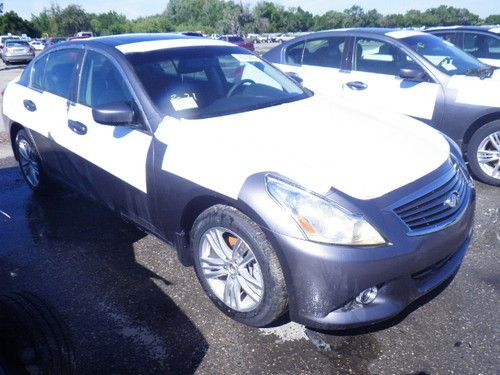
{"x": 189, "y": 214}
{"x": 14, "y": 129}
{"x": 483, "y": 120}
{"x": 193, "y": 209}
{"x": 196, "y": 206}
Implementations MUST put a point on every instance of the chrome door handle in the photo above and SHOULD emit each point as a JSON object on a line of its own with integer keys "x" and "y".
{"x": 357, "y": 85}
{"x": 29, "y": 105}
{"x": 77, "y": 127}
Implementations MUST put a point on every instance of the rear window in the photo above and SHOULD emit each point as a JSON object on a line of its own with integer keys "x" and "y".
{"x": 16, "y": 43}
{"x": 234, "y": 39}
{"x": 6, "y": 39}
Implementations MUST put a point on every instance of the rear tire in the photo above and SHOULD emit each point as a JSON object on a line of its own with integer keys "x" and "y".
{"x": 483, "y": 153}
{"x": 30, "y": 163}
{"x": 237, "y": 266}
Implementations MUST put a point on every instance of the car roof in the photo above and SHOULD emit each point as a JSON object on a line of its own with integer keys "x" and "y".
{"x": 370, "y": 30}
{"x": 128, "y": 43}
{"x": 121, "y": 39}
{"x": 484, "y": 28}
{"x": 395, "y": 33}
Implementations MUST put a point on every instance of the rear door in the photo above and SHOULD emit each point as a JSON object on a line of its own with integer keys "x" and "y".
{"x": 112, "y": 159}
{"x": 42, "y": 105}
{"x": 375, "y": 81}
{"x": 318, "y": 61}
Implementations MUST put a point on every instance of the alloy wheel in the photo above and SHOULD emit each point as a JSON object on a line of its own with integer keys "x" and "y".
{"x": 231, "y": 269}
{"x": 488, "y": 155}
{"x": 28, "y": 161}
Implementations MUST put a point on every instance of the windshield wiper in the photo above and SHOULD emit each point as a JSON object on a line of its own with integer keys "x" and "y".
{"x": 482, "y": 73}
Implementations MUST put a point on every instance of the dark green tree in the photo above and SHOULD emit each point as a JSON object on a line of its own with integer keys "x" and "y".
{"x": 72, "y": 19}
{"x": 493, "y": 19}
{"x": 10, "y": 22}
{"x": 330, "y": 20}
{"x": 109, "y": 23}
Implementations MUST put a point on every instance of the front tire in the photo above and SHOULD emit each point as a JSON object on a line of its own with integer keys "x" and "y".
{"x": 237, "y": 266}
{"x": 30, "y": 163}
{"x": 483, "y": 153}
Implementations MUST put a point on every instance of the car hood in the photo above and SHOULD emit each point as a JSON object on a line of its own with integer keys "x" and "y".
{"x": 317, "y": 142}
{"x": 475, "y": 91}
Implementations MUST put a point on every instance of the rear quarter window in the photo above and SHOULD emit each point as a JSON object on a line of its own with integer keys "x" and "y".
{"x": 54, "y": 72}
{"x": 37, "y": 72}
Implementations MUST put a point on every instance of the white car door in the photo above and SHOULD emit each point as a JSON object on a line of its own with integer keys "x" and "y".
{"x": 375, "y": 81}
{"x": 119, "y": 151}
{"x": 317, "y": 61}
{"x": 42, "y": 106}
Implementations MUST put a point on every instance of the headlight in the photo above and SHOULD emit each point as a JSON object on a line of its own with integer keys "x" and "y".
{"x": 320, "y": 219}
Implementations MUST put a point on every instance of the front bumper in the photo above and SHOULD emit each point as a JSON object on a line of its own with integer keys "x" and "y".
{"x": 323, "y": 280}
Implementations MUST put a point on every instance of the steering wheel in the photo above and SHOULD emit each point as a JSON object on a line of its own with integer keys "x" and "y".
{"x": 238, "y": 84}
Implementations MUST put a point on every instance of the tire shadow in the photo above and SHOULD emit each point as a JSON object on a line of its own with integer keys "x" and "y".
{"x": 80, "y": 259}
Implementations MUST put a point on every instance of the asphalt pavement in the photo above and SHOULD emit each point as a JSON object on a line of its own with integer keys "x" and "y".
{"x": 124, "y": 303}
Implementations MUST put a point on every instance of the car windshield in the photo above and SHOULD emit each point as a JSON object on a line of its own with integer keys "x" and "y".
{"x": 234, "y": 39}
{"x": 209, "y": 81}
{"x": 16, "y": 43}
{"x": 445, "y": 56}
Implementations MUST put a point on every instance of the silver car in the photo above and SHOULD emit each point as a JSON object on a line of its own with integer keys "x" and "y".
{"x": 17, "y": 51}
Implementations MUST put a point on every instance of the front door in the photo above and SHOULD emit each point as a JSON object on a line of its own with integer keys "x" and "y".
{"x": 112, "y": 159}
{"x": 375, "y": 81}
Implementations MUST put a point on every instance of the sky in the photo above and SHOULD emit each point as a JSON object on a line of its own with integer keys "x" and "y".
{"x": 134, "y": 8}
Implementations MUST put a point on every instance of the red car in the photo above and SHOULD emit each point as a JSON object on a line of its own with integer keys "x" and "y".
{"x": 238, "y": 40}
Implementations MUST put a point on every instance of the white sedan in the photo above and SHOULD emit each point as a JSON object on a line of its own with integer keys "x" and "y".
{"x": 282, "y": 200}
{"x": 37, "y": 45}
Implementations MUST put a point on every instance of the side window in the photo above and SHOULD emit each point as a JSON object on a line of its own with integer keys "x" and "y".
{"x": 293, "y": 54}
{"x": 482, "y": 46}
{"x": 101, "y": 82}
{"x": 376, "y": 56}
{"x": 56, "y": 72}
{"x": 37, "y": 73}
{"x": 325, "y": 52}
{"x": 451, "y": 37}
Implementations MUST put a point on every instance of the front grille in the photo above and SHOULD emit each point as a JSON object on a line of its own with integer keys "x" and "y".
{"x": 438, "y": 206}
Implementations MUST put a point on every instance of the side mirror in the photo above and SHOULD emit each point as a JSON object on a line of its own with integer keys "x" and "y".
{"x": 298, "y": 79}
{"x": 413, "y": 74}
{"x": 113, "y": 114}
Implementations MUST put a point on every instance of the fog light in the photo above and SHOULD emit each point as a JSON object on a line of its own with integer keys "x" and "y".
{"x": 367, "y": 296}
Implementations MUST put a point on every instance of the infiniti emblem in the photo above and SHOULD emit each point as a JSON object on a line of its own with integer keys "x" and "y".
{"x": 452, "y": 200}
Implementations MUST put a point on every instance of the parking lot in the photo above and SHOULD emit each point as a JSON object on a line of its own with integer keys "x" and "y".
{"x": 126, "y": 305}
